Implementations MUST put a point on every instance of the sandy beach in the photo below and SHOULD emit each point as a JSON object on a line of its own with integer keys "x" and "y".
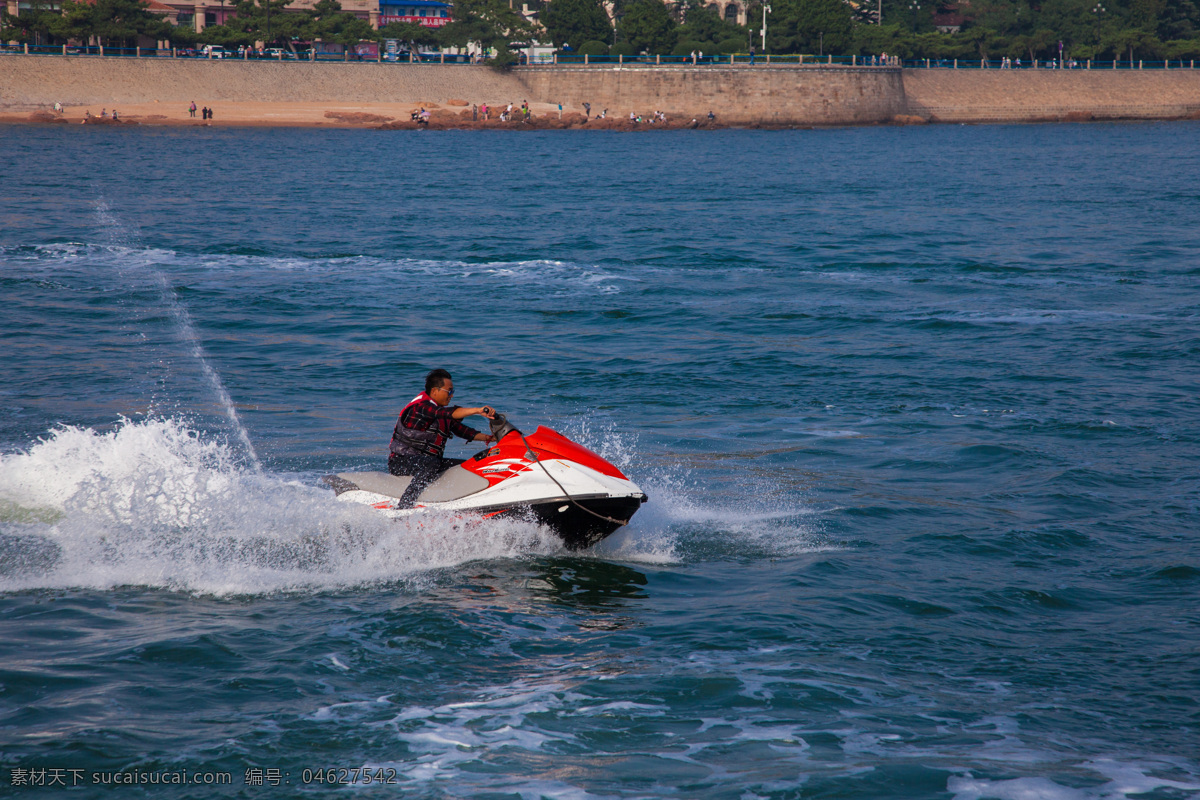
{"x": 386, "y": 116}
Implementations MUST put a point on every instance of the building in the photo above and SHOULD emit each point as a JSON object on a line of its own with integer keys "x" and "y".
{"x": 202, "y": 14}
{"x": 429, "y": 13}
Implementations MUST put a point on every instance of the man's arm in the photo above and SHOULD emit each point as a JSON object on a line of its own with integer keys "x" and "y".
{"x": 470, "y": 434}
{"x": 462, "y": 412}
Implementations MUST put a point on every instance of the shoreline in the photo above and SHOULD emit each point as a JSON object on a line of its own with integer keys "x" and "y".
{"x": 397, "y": 116}
{"x": 152, "y": 92}
{"x": 370, "y": 116}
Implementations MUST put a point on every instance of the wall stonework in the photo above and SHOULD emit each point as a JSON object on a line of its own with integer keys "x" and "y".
{"x": 993, "y": 95}
{"x": 40, "y": 81}
{"x": 738, "y": 95}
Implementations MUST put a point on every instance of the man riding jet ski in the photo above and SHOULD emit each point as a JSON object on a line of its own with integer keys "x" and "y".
{"x": 425, "y": 425}
{"x": 545, "y": 475}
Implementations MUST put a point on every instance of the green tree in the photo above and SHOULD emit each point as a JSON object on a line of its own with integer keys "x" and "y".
{"x": 1002, "y": 16}
{"x": 593, "y": 48}
{"x": 35, "y": 24}
{"x": 703, "y": 25}
{"x": 251, "y": 23}
{"x": 490, "y": 23}
{"x": 575, "y": 22}
{"x": 647, "y": 26}
{"x": 804, "y": 26}
{"x": 872, "y": 40}
{"x": 1036, "y": 43}
{"x": 1069, "y": 21}
{"x": 327, "y": 22}
{"x": 116, "y": 23}
{"x": 1180, "y": 19}
{"x": 1132, "y": 42}
{"x": 409, "y": 32}
{"x": 226, "y": 35}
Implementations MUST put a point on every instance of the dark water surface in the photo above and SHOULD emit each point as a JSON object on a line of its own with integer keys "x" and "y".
{"x": 916, "y": 409}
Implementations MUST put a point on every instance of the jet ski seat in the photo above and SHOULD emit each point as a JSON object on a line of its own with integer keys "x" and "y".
{"x": 383, "y": 483}
{"x": 452, "y": 484}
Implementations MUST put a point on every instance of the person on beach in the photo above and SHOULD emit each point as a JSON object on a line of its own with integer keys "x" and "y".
{"x": 192, "y": 109}
{"x": 422, "y": 430}
{"x": 474, "y": 113}
{"x": 484, "y": 109}
{"x": 587, "y": 108}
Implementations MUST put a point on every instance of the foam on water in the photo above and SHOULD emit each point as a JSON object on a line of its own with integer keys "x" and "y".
{"x": 154, "y": 503}
{"x": 1124, "y": 780}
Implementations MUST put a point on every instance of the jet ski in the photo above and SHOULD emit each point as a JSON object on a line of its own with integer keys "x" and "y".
{"x": 544, "y": 476}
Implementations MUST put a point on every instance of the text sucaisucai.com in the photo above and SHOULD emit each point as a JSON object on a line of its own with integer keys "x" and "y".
{"x": 44, "y": 777}
{"x": 38, "y": 777}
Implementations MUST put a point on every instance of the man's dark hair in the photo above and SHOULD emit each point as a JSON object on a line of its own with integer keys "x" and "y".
{"x": 436, "y": 378}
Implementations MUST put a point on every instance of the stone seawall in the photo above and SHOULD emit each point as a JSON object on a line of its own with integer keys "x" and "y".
{"x": 739, "y": 95}
{"x": 946, "y": 95}
{"x": 38, "y": 81}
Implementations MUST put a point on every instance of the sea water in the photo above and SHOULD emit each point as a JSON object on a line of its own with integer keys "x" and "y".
{"x": 916, "y": 410}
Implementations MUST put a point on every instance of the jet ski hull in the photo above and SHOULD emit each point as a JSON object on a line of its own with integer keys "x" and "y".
{"x": 544, "y": 477}
{"x": 581, "y": 524}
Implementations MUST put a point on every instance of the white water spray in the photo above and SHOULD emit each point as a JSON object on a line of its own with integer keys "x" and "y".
{"x": 152, "y": 503}
{"x": 184, "y": 328}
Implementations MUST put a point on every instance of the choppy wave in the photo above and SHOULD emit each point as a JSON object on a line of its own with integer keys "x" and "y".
{"x": 156, "y": 503}
{"x": 153, "y": 503}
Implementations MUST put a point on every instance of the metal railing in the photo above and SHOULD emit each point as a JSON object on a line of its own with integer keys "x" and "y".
{"x": 736, "y": 59}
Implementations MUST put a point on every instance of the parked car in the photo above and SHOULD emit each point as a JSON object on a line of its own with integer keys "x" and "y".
{"x": 215, "y": 51}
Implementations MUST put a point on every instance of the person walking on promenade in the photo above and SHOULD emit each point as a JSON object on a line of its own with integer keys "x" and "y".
{"x": 752, "y": 55}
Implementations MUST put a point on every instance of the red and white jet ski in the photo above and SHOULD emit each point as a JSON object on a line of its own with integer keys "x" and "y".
{"x": 543, "y": 476}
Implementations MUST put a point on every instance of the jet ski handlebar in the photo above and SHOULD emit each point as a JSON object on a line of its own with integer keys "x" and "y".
{"x": 501, "y": 427}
